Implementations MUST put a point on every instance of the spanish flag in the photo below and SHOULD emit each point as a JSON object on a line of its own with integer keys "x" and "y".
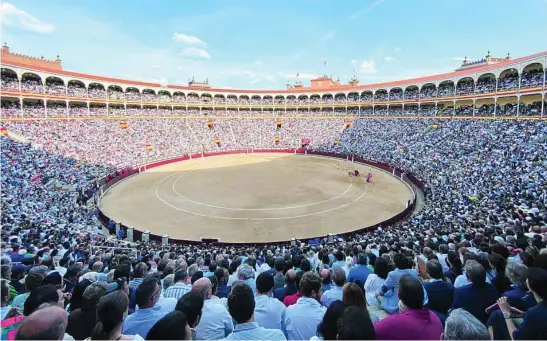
{"x": 278, "y": 123}
{"x": 435, "y": 126}
{"x": 401, "y": 149}
{"x": 276, "y": 139}
{"x": 348, "y": 124}
{"x": 148, "y": 147}
{"x": 210, "y": 124}
{"x": 4, "y": 131}
{"x": 123, "y": 125}
{"x": 336, "y": 141}
{"x": 217, "y": 140}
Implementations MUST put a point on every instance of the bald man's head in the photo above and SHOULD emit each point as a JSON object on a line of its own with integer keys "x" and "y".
{"x": 324, "y": 273}
{"x": 290, "y": 277}
{"x": 48, "y": 323}
{"x": 203, "y": 287}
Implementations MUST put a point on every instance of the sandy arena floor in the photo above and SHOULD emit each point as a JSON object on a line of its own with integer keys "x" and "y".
{"x": 254, "y": 198}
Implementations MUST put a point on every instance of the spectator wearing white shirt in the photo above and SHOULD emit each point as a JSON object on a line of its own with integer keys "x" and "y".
{"x": 269, "y": 312}
{"x": 215, "y": 323}
{"x": 302, "y": 318}
{"x": 180, "y": 287}
{"x": 375, "y": 281}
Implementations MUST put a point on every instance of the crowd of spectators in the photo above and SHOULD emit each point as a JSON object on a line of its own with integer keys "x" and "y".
{"x": 472, "y": 264}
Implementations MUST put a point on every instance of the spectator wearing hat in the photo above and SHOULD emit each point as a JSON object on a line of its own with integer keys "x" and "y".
{"x": 32, "y": 281}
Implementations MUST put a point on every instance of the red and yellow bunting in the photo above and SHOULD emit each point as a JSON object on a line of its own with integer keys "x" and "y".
{"x": 348, "y": 124}
{"x": 210, "y": 124}
{"x": 123, "y": 125}
{"x": 276, "y": 139}
{"x": 4, "y": 131}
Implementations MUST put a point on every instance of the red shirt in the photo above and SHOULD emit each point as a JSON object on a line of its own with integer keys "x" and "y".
{"x": 291, "y": 299}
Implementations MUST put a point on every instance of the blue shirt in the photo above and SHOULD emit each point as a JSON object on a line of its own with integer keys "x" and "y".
{"x": 216, "y": 323}
{"x": 302, "y": 318}
{"x": 252, "y": 331}
{"x": 269, "y": 312}
{"x": 331, "y": 295}
{"x": 142, "y": 320}
{"x": 390, "y": 290}
{"x": 359, "y": 273}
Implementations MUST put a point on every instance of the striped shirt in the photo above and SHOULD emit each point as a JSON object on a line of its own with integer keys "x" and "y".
{"x": 135, "y": 282}
{"x": 177, "y": 291}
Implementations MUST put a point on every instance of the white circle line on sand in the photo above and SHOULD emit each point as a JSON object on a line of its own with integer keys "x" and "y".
{"x": 259, "y": 209}
{"x": 253, "y": 219}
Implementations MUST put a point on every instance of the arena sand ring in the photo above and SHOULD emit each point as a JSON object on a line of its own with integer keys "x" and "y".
{"x": 254, "y": 198}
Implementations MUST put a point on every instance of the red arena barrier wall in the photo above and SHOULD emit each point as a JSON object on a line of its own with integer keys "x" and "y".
{"x": 113, "y": 179}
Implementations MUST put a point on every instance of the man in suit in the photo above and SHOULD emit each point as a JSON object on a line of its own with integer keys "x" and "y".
{"x": 478, "y": 295}
{"x": 289, "y": 288}
{"x": 439, "y": 292}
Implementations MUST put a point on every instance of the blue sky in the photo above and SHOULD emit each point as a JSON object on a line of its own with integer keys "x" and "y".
{"x": 262, "y": 44}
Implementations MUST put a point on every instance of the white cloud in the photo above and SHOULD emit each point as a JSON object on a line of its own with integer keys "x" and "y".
{"x": 14, "y": 17}
{"x": 398, "y": 49}
{"x": 181, "y": 68}
{"x": 259, "y": 63}
{"x": 389, "y": 59}
{"x": 354, "y": 61}
{"x": 187, "y": 39}
{"x": 154, "y": 66}
{"x": 195, "y": 52}
{"x": 368, "y": 66}
{"x": 255, "y": 80}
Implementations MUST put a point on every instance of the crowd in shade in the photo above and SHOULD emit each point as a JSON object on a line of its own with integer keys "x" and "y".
{"x": 471, "y": 264}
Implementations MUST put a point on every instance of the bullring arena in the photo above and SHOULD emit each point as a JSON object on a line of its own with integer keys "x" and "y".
{"x": 246, "y": 198}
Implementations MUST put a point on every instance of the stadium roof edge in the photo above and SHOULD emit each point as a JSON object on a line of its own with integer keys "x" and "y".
{"x": 432, "y": 78}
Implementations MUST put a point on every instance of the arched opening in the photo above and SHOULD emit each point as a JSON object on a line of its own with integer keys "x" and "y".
{"x": 340, "y": 98}
{"x": 327, "y": 98}
{"x": 219, "y": 99}
{"x": 149, "y": 95}
{"x": 446, "y": 89}
{"x": 179, "y": 97}
{"x": 149, "y": 110}
{"x": 381, "y": 96}
{"x": 116, "y": 109}
{"x": 412, "y": 93}
{"x": 243, "y": 99}
{"x": 484, "y": 107}
{"x": 115, "y": 92}
{"x": 428, "y": 90}
{"x": 77, "y": 109}
{"x": 353, "y": 97}
{"x": 192, "y": 98}
{"x": 445, "y": 109}
{"x": 366, "y": 111}
{"x": 291, "y": 99}
{"x": 133, "y": 110}
{"x": 427, "y": 109}
{"x": 303, "y": 99}
{"x": 11, "y": 106}
{"x": 206, "y": 98}
{"x": 315, "y": 99}
{"x": 96, "y": 90}
{"x": 367, "y": 96}
{"x": 465, "y": 86}
{"x": 267, "y": 100}
{"x": 55, "y": 86}
{"x": 76, "y": 88}
{"x": 411, "y": 110}
{"x": 132, "y": 94}
{"x": 164, "y": 96}
{"x": 508, "y": 80}
{"x": 338, "y": 111}
{"x": 56, "y": 108}
{"x": 532, "y": 76}
{"x": 279, "y": 99}
{"x": 255, "y": 99}
{"x": 380, "y": 110}
{"x": 97, "y": 109}
{"x": 10, "y": 81}
{"x": 33, "y": 108}
{"x": 231, "y": 99}
{"x": 164, "y": 110}
{"x": 507, "y": 106}
{"x": 396, "y": 94}
{"x": 353, "y": 111}
{"x": 486, "y": 84}
{"x": 32, "y": 83}
{"x": 530, "y": 105}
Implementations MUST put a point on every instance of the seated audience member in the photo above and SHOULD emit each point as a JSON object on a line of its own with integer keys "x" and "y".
{"x": 476, "y": 296}
{"x": 518, "y": 295}
{"x": 47, "y": 323}
{"x": 246, "y": 274}
{"x": 43, "y": 294}
{"x": 533, "y": 326}
{"x": 352, "y": 296}
{"x": 221, "y": 274}
{"x": 389, "y": 291}
{"x": 335, "y": 292}
{"x": 440, "y": 294}
{"x": 148, "y": 312}
{"x": 81, "y": 322}
{"x": 215, "y": 323}
{"x": 376, "y": 280}
{"x": 461, "y": 325}
{"x": 180, "y": 287}
{"x": 292, "y": 299}
{"x": 111, "y": 312}
{"x": 5, "y": 294}
{"x": 269, "y": 312}
{"x": 241, "y": 304}
{"x": 279, "y": 277}
{"x": 326, "y": 279}
{"x": 414, "y": 322}
{"x": 32, "y": 281}
{"x": 355, "y": 324}
{"x": 327, "y": 329}
{"x": 289, "y": 288}
{"x": 301, "y": 319}
{"x": 361, "y": 271}
{"x": 191, "y": 304}
{"x": 173, "y": 326}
